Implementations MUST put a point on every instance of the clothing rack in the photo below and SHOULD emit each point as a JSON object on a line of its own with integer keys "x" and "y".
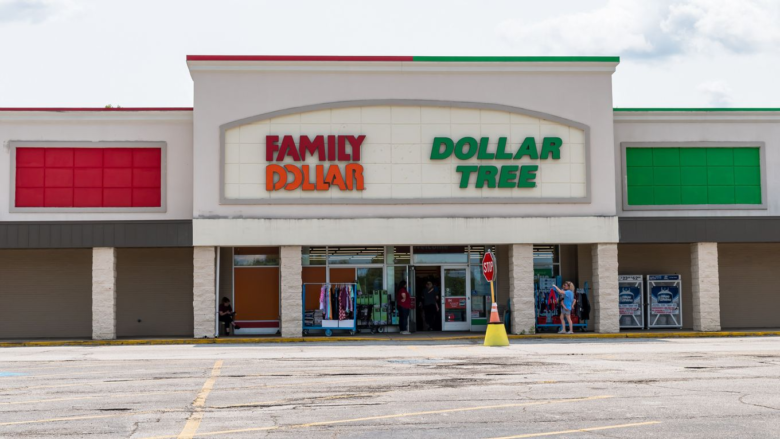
{"x": 336, "y": 310}
{"x": 548, "y": 311}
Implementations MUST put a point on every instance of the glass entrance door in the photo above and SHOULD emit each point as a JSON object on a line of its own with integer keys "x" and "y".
{"x": 455, "y": 300}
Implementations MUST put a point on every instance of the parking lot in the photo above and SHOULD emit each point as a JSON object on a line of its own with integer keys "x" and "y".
{"x": 535, "y": 388}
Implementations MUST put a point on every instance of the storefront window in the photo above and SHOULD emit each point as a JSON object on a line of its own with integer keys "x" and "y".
{"x": 440, "y": 254}
{"x": 546, "y": 261}
{"x": 256, "y": 256}
{"x": 394, "y": 277}
{"x": 476, "y": 252}
{"x": 398, "y": 255}
{"x": 313, "y": 256}
{"x": 355, "y": 255}
{"x": 480, "y": 295}
{"x": 370, "y": 279}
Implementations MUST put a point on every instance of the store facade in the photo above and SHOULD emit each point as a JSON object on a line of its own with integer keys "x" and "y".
{"x": 293, "y": 180}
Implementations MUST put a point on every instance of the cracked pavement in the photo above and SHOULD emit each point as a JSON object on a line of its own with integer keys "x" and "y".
{"x": 682, "y": 388}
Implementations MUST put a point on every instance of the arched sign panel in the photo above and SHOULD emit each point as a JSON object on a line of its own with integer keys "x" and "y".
{"x": 392, "y": 152}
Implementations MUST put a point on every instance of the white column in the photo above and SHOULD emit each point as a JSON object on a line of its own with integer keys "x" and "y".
{"x": 291, "y": 293}
{"x": 705, "y": 286}
{"x": 521, "y": 288}
{"x": 605, "y": 288}
{"x": 204, "y": 291}
{"x": 103, "y": 293}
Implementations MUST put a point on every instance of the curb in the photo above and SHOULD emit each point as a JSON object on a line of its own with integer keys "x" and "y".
{"x": 279, "y": 340}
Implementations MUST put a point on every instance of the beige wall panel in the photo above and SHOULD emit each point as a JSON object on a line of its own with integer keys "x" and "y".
{"x": 154, "y": 286}
{"x": 46, "y": 293}
{"x": 747, "y": 297}
{"x": 660, "y": 259}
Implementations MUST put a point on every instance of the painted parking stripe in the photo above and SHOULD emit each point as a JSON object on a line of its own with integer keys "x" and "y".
{"x": 193, "y": 422}
{"x": 399, "y": 415}
{"x": 81, "y": 418}
{"x": 581, "y": 430}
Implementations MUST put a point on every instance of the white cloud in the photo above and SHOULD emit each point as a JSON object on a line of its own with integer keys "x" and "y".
{"x": 643, "y": 28}
{"x": 718, "y": 93}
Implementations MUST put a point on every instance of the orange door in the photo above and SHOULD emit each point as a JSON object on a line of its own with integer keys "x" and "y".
{"x": 256, "y": 292}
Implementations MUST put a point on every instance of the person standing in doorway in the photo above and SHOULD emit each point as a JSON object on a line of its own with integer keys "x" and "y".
{"x": 431, "y": 305}
{"x": 404, "y": 307}
{"x": 567, "y": 301}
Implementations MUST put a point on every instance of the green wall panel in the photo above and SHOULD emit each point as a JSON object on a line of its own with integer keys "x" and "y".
{"x": 639, "y": 157}
{"x": 720, "y": 157}
{"x": 693, "y": 176}
{"x": 693, "y": 157}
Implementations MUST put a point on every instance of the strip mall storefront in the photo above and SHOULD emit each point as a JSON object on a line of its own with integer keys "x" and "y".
{"x": 307, "y": 189}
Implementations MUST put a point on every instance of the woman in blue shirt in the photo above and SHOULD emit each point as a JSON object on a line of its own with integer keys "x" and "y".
{"x": 566, "y": 298}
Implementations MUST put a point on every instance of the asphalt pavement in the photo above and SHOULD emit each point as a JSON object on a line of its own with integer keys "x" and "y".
{"x": 635, "y": 388}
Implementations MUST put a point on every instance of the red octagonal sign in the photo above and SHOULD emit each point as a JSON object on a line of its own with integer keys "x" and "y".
{"x": 488, "y": 266}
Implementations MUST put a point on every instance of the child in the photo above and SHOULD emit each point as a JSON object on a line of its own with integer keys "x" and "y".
{"x": 566, "y": 297}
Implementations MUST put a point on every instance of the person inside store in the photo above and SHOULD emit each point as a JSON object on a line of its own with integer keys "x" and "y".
{"x": 567, "y": 301}
{"x": 431, "y": 297}
{"x": 227, "y": 316}
{"x": 404, "y": 307}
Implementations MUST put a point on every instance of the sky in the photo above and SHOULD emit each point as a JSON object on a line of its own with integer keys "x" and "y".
{"x": 674, "y": 53}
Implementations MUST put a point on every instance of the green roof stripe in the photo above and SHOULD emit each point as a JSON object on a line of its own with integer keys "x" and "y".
{"x": 516, "y": 58}
{"x": 694, "y": 109}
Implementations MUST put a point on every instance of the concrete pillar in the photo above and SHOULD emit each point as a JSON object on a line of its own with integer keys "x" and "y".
{"x": 521, "y": 288}
{"x": 705, "y": 286}
{"x": 291, "y": 293}
{"x": 103, "y": 293}
{"x": 204, "y": 292}
{"x": 604, "y": 302}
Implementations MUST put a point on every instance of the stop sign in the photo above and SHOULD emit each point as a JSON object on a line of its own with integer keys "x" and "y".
{"x": 488, "y": 266}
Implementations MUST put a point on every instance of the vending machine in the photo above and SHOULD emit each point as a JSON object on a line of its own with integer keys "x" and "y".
{"x": 665, "y": 301}
{"x": 631, "y": 301}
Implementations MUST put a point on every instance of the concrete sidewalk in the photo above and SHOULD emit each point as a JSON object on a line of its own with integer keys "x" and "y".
{"x": 416, "y": 337}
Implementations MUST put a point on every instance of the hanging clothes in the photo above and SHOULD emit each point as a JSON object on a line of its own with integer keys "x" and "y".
{"x": 343, "y": 303}
{"x": 334, "y": 302}
{"x": 583, "y": 308}
{"x": 323, "y": 297}
{"x": 552, "y": 301}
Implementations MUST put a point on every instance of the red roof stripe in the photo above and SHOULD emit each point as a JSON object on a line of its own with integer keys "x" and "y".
{"x": 96, "y": 109}
{"x": 296, "y": 58}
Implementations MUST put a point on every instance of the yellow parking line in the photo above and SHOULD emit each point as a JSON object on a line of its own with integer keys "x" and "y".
{"x": 81, "y": 398}
{"x": 581, "y": 430}
{"x": 80, "y": 418}
{"x": 400, "y": 415}
{"x": 193, "y": 422}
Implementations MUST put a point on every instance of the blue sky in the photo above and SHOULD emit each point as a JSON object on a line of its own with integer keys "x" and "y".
{"x": 674, "y": 53}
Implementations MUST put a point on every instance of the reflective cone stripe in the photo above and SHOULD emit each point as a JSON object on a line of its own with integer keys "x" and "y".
{"x": 494, "y": 314}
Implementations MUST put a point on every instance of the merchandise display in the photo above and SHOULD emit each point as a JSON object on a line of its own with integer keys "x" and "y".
{"x": 337, "y": 306}
{"x": 376, "y": 312}
{"x": 548, "y": 306}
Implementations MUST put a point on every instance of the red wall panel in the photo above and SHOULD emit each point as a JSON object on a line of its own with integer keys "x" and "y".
{"x": 88, "y": 177}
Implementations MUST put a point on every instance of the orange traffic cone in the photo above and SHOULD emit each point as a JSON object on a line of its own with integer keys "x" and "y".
{"x": 494, "y": 314}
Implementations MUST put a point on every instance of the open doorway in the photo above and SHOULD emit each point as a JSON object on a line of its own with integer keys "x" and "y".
{"x": 427, "y": 285}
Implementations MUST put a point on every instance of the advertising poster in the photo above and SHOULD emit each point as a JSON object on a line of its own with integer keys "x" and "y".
{"x": 630, "y": 301}
{"x": 665, "y": 307}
